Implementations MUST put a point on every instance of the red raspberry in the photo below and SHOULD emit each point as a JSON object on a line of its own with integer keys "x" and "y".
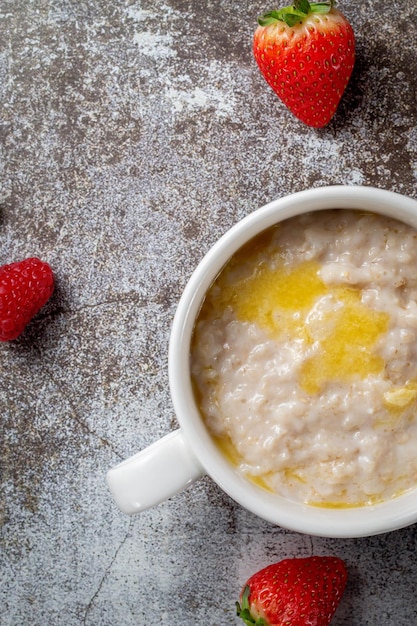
{"x": 25, "y": 286}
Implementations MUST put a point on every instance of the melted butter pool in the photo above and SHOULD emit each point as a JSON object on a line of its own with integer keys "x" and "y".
{"x": 281, "y": 301}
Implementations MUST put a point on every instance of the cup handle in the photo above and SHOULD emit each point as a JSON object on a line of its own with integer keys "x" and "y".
{"x": 155, "y": 474}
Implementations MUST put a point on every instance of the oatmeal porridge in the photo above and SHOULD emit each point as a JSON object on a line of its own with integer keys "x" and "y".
{"x": 304, "y": 358}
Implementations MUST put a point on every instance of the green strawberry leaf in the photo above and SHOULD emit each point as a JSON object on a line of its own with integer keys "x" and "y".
{"x": 245, "y": 615}
{"x": 303, "y": 6}
{"x": 291, "y": 15}
{"x": 291, "y": 19}
{"x": 269, "y": 18}
{"x": 244, "y": 611}
{"x": 321, "y": 7}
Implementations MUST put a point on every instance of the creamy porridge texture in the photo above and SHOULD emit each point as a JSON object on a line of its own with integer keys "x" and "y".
{"x": 304, "y": 358}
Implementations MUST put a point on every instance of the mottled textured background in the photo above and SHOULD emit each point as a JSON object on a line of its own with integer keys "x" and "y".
{"x": 134, "y": 133}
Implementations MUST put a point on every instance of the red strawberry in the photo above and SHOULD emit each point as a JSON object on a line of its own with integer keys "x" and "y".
{"x": 306, "y": 53}
{"x": 24, "y": 288}
{"x": 294, "y": 592}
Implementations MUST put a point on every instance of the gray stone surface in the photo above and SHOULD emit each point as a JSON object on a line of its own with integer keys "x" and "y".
{"x": 134, "y": 133}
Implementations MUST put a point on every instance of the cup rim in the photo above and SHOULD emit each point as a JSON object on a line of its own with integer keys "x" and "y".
{"x": 340, "y": 522}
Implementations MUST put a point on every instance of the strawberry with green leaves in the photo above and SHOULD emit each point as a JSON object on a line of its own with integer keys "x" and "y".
{"x": 294, "y": 592}
{"x": 306, "y": 53}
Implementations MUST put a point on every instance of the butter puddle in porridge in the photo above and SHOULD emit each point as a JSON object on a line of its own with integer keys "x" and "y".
{"x": 304, "y": 358}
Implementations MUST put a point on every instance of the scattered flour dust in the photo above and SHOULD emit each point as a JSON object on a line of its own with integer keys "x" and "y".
{"x": 154, "y": 45}
{"x": 151, "y": 43}
{"x": 181, "y": 91}
{"x": 304, "y": 359}
{"x": 138, "y": 14}
{"x": 193, "y": 97}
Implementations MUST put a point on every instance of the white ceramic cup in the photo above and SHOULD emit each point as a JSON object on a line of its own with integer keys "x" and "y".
{"x": 183, "y": 456}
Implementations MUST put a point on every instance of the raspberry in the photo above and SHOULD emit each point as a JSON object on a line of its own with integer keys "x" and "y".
{"x": 25, "y": 287}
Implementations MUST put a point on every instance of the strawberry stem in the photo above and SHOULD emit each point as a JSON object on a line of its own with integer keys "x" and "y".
{"x": 244, "y": 610}
{"x": 296, "y": 13}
